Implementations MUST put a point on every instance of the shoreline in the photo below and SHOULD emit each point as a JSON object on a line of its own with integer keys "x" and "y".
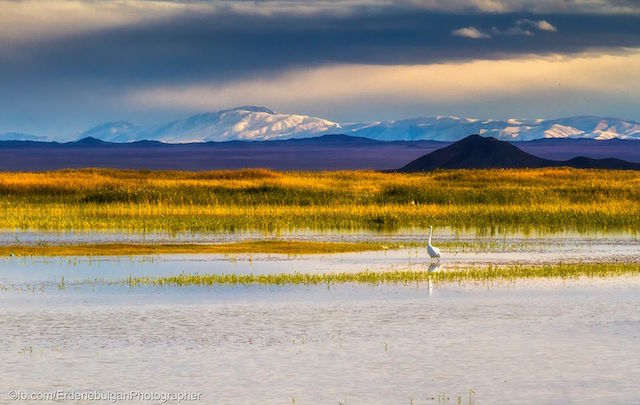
{"x": 246, "y": 247}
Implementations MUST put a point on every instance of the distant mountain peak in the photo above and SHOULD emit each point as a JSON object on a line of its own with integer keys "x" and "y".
{"x": 259, "y": 123}
{"x": 477, "y": 152}
{"x": 251, "y": 108}
{"x": 89, "y": 140}
{"x": 18, "y": 136}
{"x": 111, "y": 125}
{"x": 475, "y": 139}
{"x": 241, "y": 123}
{"x": 114, "y": 131}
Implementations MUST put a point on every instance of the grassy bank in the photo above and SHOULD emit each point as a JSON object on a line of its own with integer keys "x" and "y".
{"x": 487, "y": 274}
{"x": 271, "y": 246}
{"x": 132, "y": 249}
{"x": 540, "y": 199}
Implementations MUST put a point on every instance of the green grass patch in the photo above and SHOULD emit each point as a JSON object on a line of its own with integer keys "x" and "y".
{"x": 484, "y": 274}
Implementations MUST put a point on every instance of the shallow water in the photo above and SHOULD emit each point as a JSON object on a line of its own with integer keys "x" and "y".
{"x": 34, "y": 270}
{"x": 532, "y": 342}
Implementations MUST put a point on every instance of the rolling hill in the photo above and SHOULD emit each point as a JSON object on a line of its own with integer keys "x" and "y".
{"x": 477, "y": 152}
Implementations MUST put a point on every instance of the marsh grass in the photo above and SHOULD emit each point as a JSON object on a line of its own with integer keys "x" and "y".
{"x": 475, "y": 275}
{"x": 255, "y": 246}
{"x": 534, "y": 199}
{"x": 267, "y": 246}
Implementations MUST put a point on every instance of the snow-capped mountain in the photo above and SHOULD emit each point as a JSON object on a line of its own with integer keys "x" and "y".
{"x": 118, "y": 131}
{"x": 260, "y": 124}
{"x": 18, "y": 136}
{"x": 242, "y": 123}
{"x": 454, "y": 128}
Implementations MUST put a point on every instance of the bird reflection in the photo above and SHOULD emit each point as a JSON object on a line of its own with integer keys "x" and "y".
{"x": 433, "y": 268}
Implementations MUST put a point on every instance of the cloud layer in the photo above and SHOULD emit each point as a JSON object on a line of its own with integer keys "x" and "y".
{"x": 553, "y": 81}
{"x": 470, "y": 32}
{"x": 66, "y": 64}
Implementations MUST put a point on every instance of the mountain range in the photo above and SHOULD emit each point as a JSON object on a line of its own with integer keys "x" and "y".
{"x": 253, "y": 123}
{"x": 17, "y": 136}
{"x": 326, "y": 152}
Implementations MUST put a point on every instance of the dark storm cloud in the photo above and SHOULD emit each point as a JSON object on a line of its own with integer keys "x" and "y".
{"x": 225, "y": 46}
{"x": 77, "y": 77}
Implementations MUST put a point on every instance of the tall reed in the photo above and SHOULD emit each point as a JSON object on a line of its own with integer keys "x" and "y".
{"x": 99, "y": 199}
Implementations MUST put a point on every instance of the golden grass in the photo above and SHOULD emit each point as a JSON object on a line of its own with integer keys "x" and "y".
{"x": 268, "y": 246}
{"x": 132, "y": 249}
{"x": 542, "y": 199}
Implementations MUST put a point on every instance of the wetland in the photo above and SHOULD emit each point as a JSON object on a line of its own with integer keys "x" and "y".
{"x": 256, "y": 286}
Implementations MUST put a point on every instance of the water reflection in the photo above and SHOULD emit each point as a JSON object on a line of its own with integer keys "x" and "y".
{"x": 17, "y": 270}
{"x": 433, "y": 268}
{"x": 8, "y": 237}
{"x": 353, "y": 344}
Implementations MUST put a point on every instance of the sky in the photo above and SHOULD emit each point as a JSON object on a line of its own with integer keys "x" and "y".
{"x": 68, "y": 65}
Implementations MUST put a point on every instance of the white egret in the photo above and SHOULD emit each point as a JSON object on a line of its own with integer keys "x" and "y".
{"x": 434, "y": 252}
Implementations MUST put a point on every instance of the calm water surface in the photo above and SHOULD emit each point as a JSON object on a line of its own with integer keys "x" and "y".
{"x": 400, "y": 235}
{"x": 33, "y": 270}
{"x": 532, "y": 342}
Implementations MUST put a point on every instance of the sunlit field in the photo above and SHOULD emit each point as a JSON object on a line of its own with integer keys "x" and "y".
{"x": 538, "y": 199}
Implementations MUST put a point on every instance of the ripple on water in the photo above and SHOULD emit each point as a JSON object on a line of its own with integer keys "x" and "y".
{"x": 544, "y": 341}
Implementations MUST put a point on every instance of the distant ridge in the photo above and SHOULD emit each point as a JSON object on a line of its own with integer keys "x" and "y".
{"x": 582, "y": 162}
{"x": 90, "y": 141}
{"x": 337, "y": 140}
{"x": 256, "y": 123}
{"x": 328, "y": 152}
{"x": 248, "y": 123}
{"x": 477, "y": 152}
{"x": 18, "y": 136}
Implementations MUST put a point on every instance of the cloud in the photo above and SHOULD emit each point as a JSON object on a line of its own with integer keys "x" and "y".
{"x": 514, "y": 30}
{"x": 534, "y": 82}
{"x": 602, "y": 7}
{"x": 524, "y": 27}
{"x": 541, "y": 25}
{"x": 33, "y": 20}
{"x": 26, "y": 20}
{"x": 470, "y": 32}
{"x": 229, "y": 46}
{"x": 65, "y": 63}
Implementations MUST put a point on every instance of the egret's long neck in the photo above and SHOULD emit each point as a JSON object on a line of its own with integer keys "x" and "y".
{"x": 430, "y": 231}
